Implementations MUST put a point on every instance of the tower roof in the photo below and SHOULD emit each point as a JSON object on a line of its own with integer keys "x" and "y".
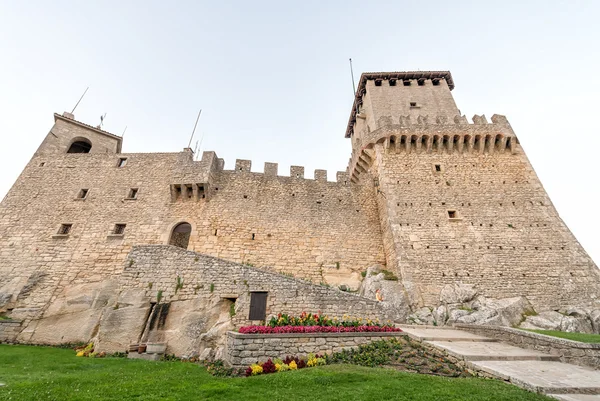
{"x": 398, "y": 75}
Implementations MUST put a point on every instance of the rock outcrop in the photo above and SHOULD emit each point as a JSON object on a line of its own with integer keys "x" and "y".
{"x": 391, "y": 291}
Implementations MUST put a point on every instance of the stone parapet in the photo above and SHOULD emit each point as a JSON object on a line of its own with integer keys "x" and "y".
{"x": 246, "y": 349}
{"x": 578, "y": 353}
{"x": 434, "y": 135}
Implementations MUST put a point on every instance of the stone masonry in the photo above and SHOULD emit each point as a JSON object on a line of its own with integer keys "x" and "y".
{"x": 427, "y": 195}
{"x": 246, "y": 349}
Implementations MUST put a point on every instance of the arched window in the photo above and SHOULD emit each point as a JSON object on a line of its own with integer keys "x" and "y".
{"x": 181, "y": 235}
{"x": 80, "y": 145}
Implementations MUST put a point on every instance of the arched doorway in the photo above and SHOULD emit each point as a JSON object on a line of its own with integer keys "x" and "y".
{"x": 80, "y": 145}
{"x": 180, "y": 236}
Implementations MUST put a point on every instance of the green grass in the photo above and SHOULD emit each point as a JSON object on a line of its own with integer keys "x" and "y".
{"x": 44, "y": 373}
{"x": 581, "y": 337}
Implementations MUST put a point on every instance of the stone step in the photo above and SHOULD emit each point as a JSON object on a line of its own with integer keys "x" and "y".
{"x": 439, "y": 334}
{"x": 145, "y": 356}
{"x": 546, "y": 377}
{"x": 575, "y": 397}
{"x": 490, "y": 351}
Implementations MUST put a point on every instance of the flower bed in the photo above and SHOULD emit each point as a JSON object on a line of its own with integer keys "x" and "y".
{"x": 289, "y": 363}
{"x": 317, "y": 323}
{"x": 316, "y": 329}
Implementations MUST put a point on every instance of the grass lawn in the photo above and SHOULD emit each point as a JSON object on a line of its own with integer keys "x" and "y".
{"x": 581, "y": 337}
{"x": 44, "y": 373}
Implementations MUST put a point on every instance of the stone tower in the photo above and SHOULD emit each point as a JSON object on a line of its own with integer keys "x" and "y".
{"x": 459, "y": 201}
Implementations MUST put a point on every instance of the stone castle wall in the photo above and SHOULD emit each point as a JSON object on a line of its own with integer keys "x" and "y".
{"x": 208, "y": 296}
{"x": 322, "y": 231}
{"x": 434, "y": 199}
{"x": 477, "y": 215}
{"x": 157, "y": 268}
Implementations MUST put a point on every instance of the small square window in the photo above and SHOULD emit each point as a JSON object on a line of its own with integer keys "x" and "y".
{"x": 438, "y": 167}
{"x": 452, "y": 214}
{"x": 406, "y": 82}
{"x": 42, "y": 164}
{"x": 65, "y": 229}
{"x": 132, "y": 193}
{"x": 82, "y": 193}
{"x": 413, "y": 104}
{"x": 119, "y": 229}
{"x": 421, "y": 82}
{"x": 392, "y": 82}
{"x": 122, "y": 162}
{"x": 378, "y": 82}
{"x": 436, "y": 82}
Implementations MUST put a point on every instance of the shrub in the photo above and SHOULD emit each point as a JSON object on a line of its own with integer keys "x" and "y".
{"x": 268, "y": 367}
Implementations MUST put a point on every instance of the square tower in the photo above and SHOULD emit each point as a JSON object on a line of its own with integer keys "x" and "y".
{"x": 386, "y": 98}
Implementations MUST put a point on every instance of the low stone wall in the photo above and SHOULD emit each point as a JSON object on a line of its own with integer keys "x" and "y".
{"x": 9, "y": 329}
{"x": 574, "y": 352}
{"x": 246, "y": 349}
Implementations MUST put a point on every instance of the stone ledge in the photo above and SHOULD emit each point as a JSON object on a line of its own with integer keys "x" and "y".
{"x": 235, "y": 334}
{"x": 569, "y": 351}
{"x": 532, "y": 335}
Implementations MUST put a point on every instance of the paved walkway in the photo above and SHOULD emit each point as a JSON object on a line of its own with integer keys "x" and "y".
{"x": 532, "y": 370}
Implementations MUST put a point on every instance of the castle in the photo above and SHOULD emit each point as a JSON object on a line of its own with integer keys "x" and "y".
{"x": 92, "y": 240}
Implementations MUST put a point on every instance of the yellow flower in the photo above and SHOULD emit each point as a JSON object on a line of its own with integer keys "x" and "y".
{"x": 80, "y": 353}
{"x": 292, "y": 365}
{"x": 278, "y": 367}
{"x": 256, "y": 369}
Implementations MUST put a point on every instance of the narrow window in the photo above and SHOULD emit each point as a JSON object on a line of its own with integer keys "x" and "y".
{"x": 413, "y": 104}
{"x": 65, "y": 229}
{"x": 42, "y": 164}
{"x": 438, "y": 167}
{"x": 119, "y": 229}
{"x": 452, "y": 214}
{"x": 132, "y": 193}
{"x": 82, "y": 193}
{"x": 122, "y": 162}
{"x": 258, "y": 306}
{"x": 253, "y": 236}
{"x": 392, "y": 82}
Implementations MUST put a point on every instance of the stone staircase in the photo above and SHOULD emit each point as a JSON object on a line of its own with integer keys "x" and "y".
{"x": 532, "y": 370}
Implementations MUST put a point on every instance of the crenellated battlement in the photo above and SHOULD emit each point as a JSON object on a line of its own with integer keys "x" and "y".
{"x": 439, "y": 134}
{"x": 296, "y": 172}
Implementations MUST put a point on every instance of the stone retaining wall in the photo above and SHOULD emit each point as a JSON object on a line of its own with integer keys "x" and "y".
{"x": 9, "y": 329}
{"x": 583, "y": 354}
{"x": 246, "y": 349}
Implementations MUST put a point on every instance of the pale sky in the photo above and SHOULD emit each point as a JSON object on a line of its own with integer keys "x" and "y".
{"x": 274, "y": 84}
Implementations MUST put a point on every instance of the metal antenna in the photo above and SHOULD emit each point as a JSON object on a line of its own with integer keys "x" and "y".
{"x": 201, "y": 139}
{"x": 195, "y": 149}
{"x": 352, "y": 74}
{"x": 101, "y": 121}
{"x": 194, "y": 130}
{"x": 123, "y": 134}
{"x": 86, "y": 89}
